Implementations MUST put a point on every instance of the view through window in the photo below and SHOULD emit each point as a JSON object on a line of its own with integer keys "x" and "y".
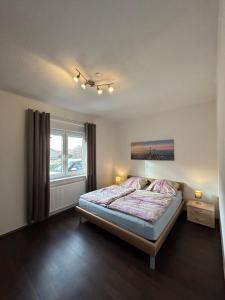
{"x": 67, "y": 154}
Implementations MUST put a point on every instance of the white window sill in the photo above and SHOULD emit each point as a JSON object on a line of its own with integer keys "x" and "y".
{"x": 67, "y": 180}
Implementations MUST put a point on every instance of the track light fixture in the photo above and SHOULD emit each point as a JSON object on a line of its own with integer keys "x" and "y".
{"x": 91, "y": 83}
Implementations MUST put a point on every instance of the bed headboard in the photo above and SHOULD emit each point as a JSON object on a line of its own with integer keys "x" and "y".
{"x": 181, "y": 184}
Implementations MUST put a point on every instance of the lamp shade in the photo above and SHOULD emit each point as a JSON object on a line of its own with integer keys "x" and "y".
{"x": 198, "y": 194}
{"x": 118, "y": 179}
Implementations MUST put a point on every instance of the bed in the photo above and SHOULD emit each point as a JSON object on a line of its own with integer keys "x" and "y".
{"x": 146, "y": 236}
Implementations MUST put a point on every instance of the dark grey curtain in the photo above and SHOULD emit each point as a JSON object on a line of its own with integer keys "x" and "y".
{"x": 90, "y": 130}
{"x": 38, "y": 156}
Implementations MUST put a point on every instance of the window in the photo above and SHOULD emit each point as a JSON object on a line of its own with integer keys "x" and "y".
{"x": 56, "y": 154}
{"x": 67, "y": 153}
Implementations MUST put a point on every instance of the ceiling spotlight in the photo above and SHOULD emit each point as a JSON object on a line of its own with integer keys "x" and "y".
{"x": 99, "y": 91}
{"x": 110, "y": 89}
{"x": 76, "y": 78}
{"x": 83, "y": 85}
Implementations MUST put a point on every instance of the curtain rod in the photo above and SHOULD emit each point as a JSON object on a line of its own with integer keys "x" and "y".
{"x": 57, "y": 118}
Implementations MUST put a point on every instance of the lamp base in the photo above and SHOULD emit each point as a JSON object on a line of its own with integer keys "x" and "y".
{"x": 198, "y": 202}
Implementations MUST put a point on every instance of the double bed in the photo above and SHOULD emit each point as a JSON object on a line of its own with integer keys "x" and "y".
{"x": 141, "y": 233}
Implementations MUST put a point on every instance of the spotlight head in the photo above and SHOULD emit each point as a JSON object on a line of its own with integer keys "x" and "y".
{"x": 83, "y": 85}
{"x": 99, "y": 91}
{"x": 76, "y": 78}
{"x": 110, "y": 89}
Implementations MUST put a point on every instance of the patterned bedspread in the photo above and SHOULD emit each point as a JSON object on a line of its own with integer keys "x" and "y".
{"x": 143, "y": 204}
{"x": 108, "y": 194}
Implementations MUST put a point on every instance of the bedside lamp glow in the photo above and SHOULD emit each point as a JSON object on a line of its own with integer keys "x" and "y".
{"x": 198, "y": 196}
{"x": 118, "y": 179}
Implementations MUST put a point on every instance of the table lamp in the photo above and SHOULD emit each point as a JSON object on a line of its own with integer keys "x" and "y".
{"x": 118, "y": 179}
{"x": 198, "y": 196}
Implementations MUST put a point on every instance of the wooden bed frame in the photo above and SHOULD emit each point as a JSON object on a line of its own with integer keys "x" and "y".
{"x": 147, "y": 246}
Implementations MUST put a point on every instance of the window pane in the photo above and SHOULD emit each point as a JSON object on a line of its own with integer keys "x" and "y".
{"x": 56, "y": 155}
{"x": 75, "y": 163}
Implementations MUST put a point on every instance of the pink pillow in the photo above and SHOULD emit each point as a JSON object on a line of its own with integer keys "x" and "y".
{"x": 163, "y": 187}
{"x": 136, "y": 183}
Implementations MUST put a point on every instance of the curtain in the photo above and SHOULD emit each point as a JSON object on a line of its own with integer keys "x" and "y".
{"x": 38, "y": 159}
{"x": 90, "y": 131}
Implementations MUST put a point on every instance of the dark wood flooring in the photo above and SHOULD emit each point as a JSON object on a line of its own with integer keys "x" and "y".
{"x": 58, "y": 259}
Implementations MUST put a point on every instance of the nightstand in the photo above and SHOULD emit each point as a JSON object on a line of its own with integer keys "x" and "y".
{"x": 201, "y": 213}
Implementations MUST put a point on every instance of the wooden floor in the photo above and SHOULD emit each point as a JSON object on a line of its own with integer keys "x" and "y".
{"x": 60, "y": 260}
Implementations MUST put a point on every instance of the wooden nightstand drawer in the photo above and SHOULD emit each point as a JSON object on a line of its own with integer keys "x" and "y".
{"x": 204, "y": 219}
{"x": 204, "y": 215}
{"x": 200, "y": 212}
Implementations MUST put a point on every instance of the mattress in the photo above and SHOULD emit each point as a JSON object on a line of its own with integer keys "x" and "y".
{"x": 150, "y": 231}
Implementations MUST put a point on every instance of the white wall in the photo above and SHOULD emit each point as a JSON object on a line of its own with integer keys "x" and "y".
{"x": 12, "y": 154}
{"x": 221, "y": 119}
{"x": 194, "y": 131}
{"x": 105, "y": 141}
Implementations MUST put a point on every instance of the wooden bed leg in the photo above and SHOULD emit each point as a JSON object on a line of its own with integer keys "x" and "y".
{"x": 82, "y": 220}
{"x": 152, "y": 262}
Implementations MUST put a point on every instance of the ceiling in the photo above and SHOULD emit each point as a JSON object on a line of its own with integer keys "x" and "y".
{"x": 162, "y": 54}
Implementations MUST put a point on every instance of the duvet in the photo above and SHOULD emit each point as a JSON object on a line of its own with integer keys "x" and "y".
{"x": 107, "y": 195}
{"x": 143, "y": 204}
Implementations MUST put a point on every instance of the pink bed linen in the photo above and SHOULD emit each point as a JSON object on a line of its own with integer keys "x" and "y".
{"x": 108, "y": 194}
{"x": 163, "y": 186}
{"x": 143, "y": 204}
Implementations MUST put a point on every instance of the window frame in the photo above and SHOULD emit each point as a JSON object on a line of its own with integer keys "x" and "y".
{"x": 73, "y": 133}
{"x": 65, "y": 134}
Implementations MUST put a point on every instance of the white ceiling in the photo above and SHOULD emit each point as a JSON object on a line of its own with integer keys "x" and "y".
{"x": 161, "y": 53}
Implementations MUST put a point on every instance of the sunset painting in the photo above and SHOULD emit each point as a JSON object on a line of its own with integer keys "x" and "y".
{"x": 153, "y": 150}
